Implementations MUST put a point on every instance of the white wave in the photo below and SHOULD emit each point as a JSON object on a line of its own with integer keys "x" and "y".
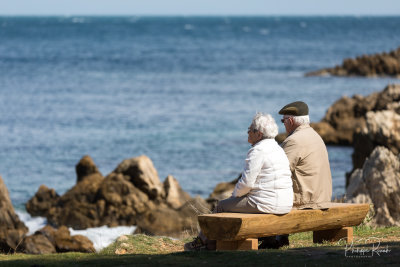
{"x": 188, "y": 27}
{"x": 103, "y": 236}
{"x": 33, "y": 223}
{"x": 100, "y": 236}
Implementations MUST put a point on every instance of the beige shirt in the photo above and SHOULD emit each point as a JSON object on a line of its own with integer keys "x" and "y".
{"x": 309, "y": 164}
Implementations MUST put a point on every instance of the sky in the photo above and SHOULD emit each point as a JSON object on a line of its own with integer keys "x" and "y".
{"x": 199, "y": 7}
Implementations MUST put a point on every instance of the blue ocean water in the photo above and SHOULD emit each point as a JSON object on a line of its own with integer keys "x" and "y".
{"x": 181, "y": 90}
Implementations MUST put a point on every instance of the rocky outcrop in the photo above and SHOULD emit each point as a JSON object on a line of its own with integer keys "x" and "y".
{"x": 378, "y": 183}
{"x": 223, "y": 190}
{"x": 50, "y": 240}
{"x": 382, "y": 129}
{"x": 47, "y": 240}
{"x": 142, "y": 174}
{"x": 382, "y": 64}
{"x": 347, "y": 116}
{"x": 37, "y": 244}
{"x": 175, "y": 197}
{"x": 130, "y": 195}
{"x": 43, "y": 203}
{"x": 85, "y": 168}
{"x": 12, "y": 230}
{"x": 165, "y": 221}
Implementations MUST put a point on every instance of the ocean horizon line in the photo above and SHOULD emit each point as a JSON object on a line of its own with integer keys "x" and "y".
{"x": 209, "y": 15}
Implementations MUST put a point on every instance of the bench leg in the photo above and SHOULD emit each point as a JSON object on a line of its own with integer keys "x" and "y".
{"x": 247, "y": 244}
{"x": 333, "y": 235}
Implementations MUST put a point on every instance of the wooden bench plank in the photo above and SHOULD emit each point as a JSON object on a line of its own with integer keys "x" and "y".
{"x": 240, "y": 226}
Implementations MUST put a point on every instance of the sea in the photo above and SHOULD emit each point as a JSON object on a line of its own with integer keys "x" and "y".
{"x": 180, "y": 89}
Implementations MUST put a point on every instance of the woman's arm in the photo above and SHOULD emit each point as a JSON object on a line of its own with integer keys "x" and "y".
{"x": 254, "y": 162}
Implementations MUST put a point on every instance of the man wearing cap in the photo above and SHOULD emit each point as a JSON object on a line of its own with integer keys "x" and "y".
{"x": 309, "y": 164}
{"x": 308, "y": 157}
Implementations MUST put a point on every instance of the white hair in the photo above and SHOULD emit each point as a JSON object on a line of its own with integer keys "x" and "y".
{"x": 301, "y": 120}
{"x": 265, "y": 124}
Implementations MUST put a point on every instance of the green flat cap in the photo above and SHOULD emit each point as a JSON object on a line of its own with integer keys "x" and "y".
{"x": 297, "y": 108}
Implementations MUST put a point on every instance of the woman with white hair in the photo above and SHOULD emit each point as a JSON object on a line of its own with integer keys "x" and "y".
{"x": 265, "y": 185}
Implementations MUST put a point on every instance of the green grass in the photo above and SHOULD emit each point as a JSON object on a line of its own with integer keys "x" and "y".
{"x": 142, "y": 250}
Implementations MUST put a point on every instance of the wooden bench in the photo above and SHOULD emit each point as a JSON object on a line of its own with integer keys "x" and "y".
{"x": 240, "y": 231}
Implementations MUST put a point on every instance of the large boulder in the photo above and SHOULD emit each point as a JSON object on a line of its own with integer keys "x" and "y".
{"x": 64, "y": 242}
{"x": 174, "y": 194}
{"x": 122, "y": 200}
{"x": 378, "y": 183}
{"x": 142, "y": 174}
{"x": 173, "y": 222}
{"x": 347, "y": 116}
{"x": 50, "y": 240}
{"x": 382, "y": 64}
{"x": 78, "y": 206}
{"x": 42, "y": 204}
{"x": 37, "y": 244}
{"x": 12, "y": 230}
{"x": 382, "y": 129}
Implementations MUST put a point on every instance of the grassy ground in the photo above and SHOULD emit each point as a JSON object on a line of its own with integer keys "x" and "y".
{"x": 379, "y": 246}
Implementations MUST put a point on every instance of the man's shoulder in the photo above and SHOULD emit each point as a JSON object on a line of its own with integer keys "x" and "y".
{"x": 304, "y": 131}
{"x": 301, "y": 135}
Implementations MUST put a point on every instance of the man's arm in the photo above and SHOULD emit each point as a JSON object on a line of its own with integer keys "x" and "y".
{"x": 252, "y": 169}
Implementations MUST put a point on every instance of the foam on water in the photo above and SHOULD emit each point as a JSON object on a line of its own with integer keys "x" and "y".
{"x": 100, "y": 236}
{"x": 104, "y": 235}
{"x": 33, "y": 223}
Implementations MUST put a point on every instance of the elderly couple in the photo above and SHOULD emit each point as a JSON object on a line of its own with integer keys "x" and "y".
{"x": 276, "y": 178}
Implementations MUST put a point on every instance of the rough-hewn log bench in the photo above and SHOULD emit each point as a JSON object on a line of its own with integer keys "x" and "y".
{"x": 240, "y": 231}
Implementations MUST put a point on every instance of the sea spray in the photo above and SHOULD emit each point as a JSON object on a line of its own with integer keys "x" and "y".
{"x": 103, "y": 236}
{"x": 100, "y": 236}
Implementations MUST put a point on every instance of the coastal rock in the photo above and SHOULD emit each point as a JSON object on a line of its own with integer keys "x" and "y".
{"x": 224, "y": 190}
{"x": 12, "y": 230}
{"x": 328, "y": 133}
{"x": 43, "y": 202}
{"x": 131, "y": 193}
{"x": 165, "y": 221}
{"x": 382, "y": 64}
{"x": 49, "y": 232}
{"x": 77, "y": 207}
{"x": 37, "y": 244}
{"x": 347, "y": 116}
{"x": 378, "y": 182}
{"x": 85, "y": 168}
{"x": 64, "y": 242}
{"x": 123, "y": 201}
{"x": 382, "y": 129}
{"x": 50, "y": 240}
{"x": 142, "y": 174}
{"x": 174, "y": 195}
